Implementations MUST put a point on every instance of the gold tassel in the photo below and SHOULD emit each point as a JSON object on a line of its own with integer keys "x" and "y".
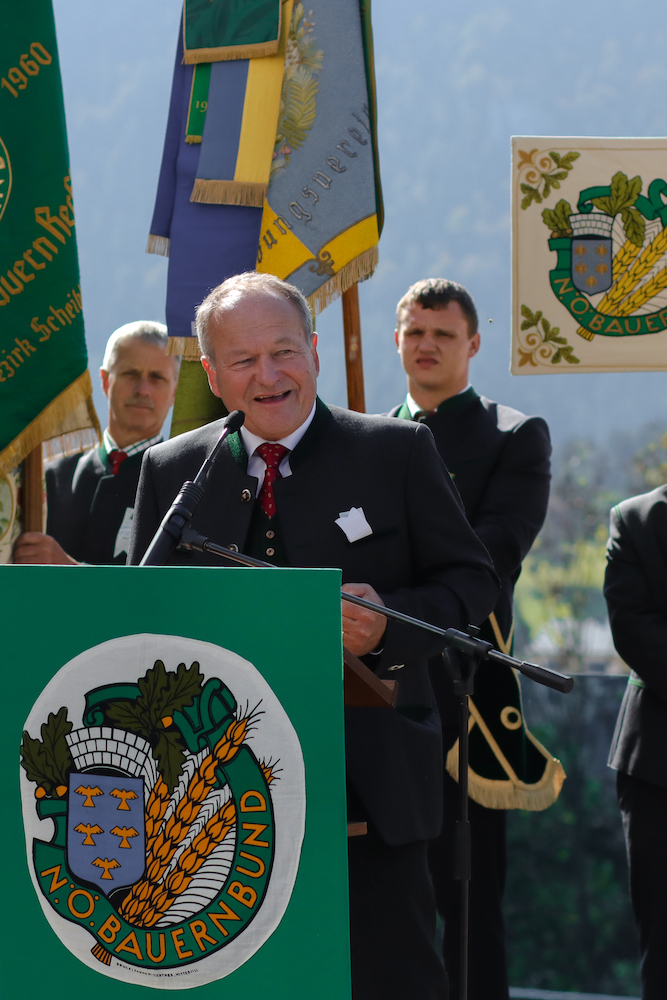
{"x": 46, "y": 423}
{"x": 229, "y": 52}
{"x": 184, "y": 347}
{"x": 512, "y": 793}
{"x": 211, "y": 192}
{"x": 359, "y": 269}
{"x": 158, "y": 244}
{"x": 192, "y": 139}
{"x": 495, "y": 794}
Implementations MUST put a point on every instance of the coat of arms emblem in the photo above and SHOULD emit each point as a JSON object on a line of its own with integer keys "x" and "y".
{"x": 589, "y": 222}
{"x": 614, "y": 245}
{"x": 164, "y": 824}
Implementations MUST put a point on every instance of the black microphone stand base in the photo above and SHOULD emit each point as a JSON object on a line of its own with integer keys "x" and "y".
{"x": 462, "y": 669}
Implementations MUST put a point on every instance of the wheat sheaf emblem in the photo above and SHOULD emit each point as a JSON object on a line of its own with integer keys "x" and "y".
{"x": 611, "y": 272}
{"x": 169, "y": 820}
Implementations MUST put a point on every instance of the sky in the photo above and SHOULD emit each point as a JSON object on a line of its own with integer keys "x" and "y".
{"x": 454, "y": 82}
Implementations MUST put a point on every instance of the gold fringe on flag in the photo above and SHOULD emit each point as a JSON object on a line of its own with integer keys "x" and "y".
{"x": 70, "y": 444}
{"x": 192, "y": 139}
{"x": 217, "y": 192}
{"x": 158, "y": 244}
{"x": 230, "y": 52}
{"x": 511, "y": 793}
{"x": 358, "y": 269}
{"x": 79, "y": 431}
{"x": 46, "y": 424}
{"x": 184, "y": 347}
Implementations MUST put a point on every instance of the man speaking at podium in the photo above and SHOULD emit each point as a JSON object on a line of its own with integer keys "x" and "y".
{"x": 302, "y": 484}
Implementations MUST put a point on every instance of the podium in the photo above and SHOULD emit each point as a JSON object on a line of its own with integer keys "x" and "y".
{"x": 179, "y": 817}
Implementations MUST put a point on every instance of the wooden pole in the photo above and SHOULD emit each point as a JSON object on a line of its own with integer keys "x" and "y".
{"x": 354, "y": 366}
{"x": 31, "y": 491}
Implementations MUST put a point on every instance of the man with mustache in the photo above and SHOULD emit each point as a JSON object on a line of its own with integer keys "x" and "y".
{"x": 91, "y": 496}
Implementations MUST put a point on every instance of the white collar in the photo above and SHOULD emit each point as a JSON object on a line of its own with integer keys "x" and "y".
{"x": 251, "y": 441}
{"x": 414, "y": 406}
{"x": 131, "y": 449}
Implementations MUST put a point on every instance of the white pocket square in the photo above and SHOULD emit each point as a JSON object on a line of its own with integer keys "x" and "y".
{"x": 353, "y": 522}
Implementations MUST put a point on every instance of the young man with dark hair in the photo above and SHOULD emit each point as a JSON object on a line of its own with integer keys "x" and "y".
{"x": 499, "y": 461}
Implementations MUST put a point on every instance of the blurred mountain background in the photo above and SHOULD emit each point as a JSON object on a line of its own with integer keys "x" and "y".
{"x": 454, "y": 81}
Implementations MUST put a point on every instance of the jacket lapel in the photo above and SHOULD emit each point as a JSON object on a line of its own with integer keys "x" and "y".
{"x": 225, "y": 511}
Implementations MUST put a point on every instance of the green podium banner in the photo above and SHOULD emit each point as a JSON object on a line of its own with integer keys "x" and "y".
{"x": 179, "y": 817}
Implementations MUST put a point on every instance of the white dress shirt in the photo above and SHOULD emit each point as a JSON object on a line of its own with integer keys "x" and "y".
{"x": 257, "y": 465}
{"x": 131, "y": 449}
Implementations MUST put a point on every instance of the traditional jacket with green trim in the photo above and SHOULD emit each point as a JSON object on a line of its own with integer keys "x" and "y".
{"x": 499, "y": 460}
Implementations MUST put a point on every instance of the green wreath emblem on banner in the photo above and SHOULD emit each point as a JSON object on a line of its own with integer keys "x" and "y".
{"x": 606, "y": 248}
{"x": 164, "y": 838}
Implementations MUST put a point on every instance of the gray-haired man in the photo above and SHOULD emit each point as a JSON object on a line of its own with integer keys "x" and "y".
{"x": 91, "y": 496}
{"x": 276, "y": 491}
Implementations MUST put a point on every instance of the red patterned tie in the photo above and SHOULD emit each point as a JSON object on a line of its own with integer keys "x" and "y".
{"x": 116, "y": 457}
{"x": 273, "y": 455}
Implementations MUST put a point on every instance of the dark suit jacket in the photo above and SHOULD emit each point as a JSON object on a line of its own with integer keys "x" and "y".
{"x": 86, "y": 505}
{"x": 499, "y": 460}
{"x": 636, "y": 592}
{"x": 422, "y": 558}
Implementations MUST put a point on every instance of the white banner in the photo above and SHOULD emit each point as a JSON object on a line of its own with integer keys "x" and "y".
{"x": 589, "y": 255}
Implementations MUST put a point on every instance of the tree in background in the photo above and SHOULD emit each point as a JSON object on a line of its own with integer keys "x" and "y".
{"x": 559, "y": 592}
{"x": 567, "y": 906}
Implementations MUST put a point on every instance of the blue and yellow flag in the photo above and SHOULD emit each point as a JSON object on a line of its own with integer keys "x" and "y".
{"x": 271, "y": 163}
{"x": 322, "y": 212}
{"x": 239, "y": 132}
{"x": 205, "y": 243}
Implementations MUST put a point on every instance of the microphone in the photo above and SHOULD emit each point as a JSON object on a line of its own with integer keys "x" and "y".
{"x": 177, "y": 518}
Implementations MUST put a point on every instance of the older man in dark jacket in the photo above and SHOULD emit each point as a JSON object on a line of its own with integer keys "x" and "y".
{"x": 303, "y": 484}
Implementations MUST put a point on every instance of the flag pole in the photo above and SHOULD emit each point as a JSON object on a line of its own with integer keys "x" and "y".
{"x": 354, "y": 366}
{"x": 31, "y": 490}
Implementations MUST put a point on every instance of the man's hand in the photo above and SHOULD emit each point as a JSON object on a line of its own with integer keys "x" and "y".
{"x": 39, "y": 549}
{"x": 362, "y": 629}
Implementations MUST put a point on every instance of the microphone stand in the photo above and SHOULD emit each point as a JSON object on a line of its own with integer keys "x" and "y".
{"x": 175, "y": 531}
{"x": 461, "y": 641}
{"x": 474, "y": 651}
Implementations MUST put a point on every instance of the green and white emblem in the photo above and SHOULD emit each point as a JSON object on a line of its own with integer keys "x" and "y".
{"x": 591, "y": 261}
{"x": 164, "y": 807}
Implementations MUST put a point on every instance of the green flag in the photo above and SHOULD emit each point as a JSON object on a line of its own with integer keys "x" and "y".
{"x": 43, "y": 361}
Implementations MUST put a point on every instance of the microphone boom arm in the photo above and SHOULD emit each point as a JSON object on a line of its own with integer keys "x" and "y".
{"x": 460, "y": 641}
